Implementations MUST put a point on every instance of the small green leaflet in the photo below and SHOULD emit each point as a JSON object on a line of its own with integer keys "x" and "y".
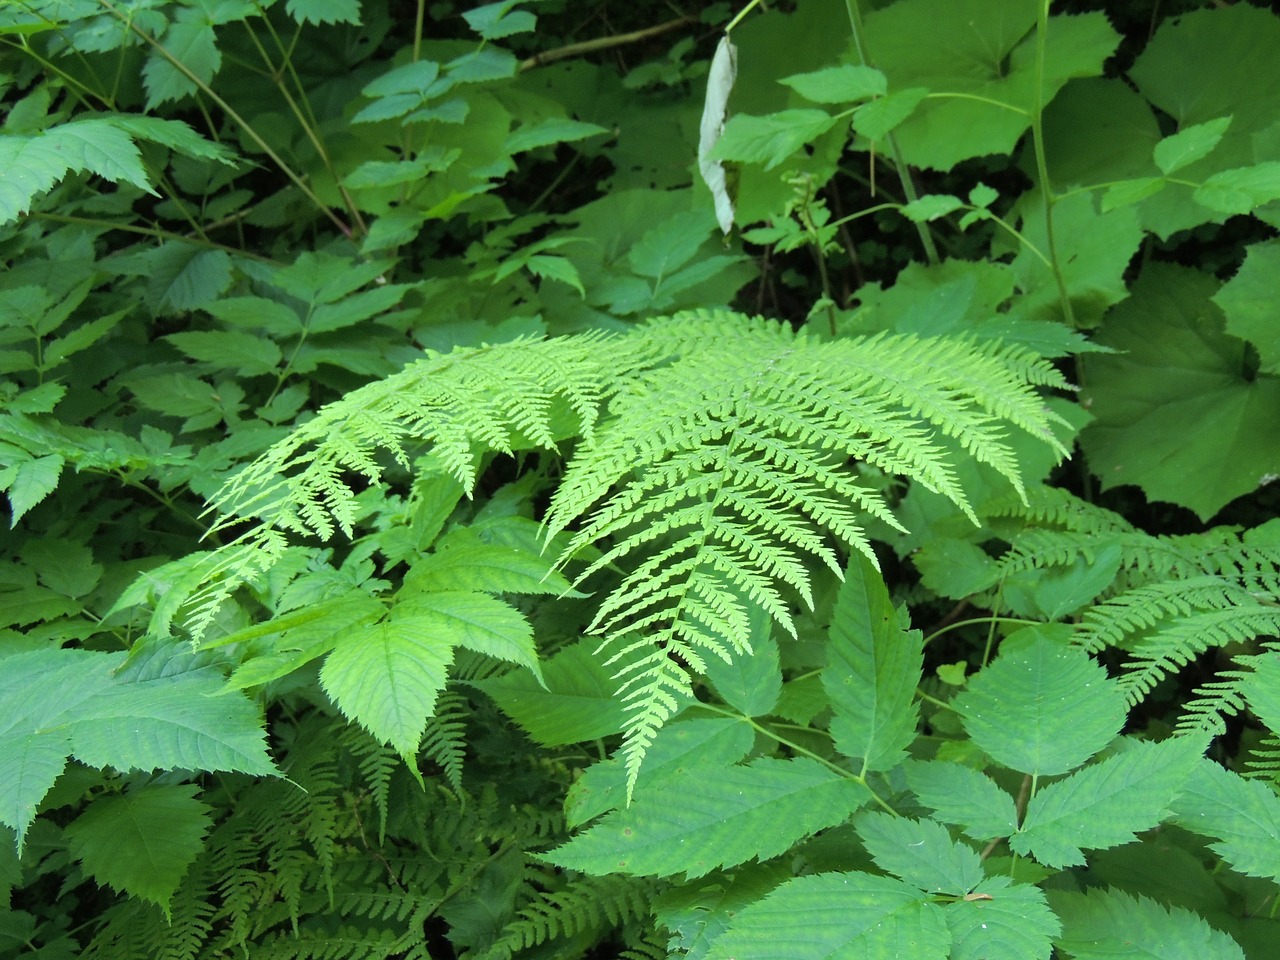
{"x": 30, "y": 482}
{"x": 1244, "y": 815}
{"x": 1042, "y": 707}
{"x": 243, "y": 353}
{"x": 189, "y": 41}
{"x": 847, "y": 83}
{"x": 1189, "y": 144}
{"x": 872, "y": 670}
{"x": 931, "y": 207}
{"x": 877, "y": 119}
{"x": 549, "y": 131}
{"x": 697, "y": 913}
{"x": 714, "y": 816}
{"x": 1105, "y": 804}
{"x": 921, "y": 852}
{"x": 493, "y": 21}
{"x": 1109, "y": 924}
{"x": 771, "y": 139}
{"x": 963, "y": 796}
{"x": 324, "y": 11}
{"x": 141, "y": 843}
{"x": 1001, "y": 922}
{"x": 386, "y": 676}
{"x": 832, "y": 916}
{"x": 1242, "y": 190}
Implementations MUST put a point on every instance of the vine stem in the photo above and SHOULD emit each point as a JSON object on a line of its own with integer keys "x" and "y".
{"x": 235, "y": 116}
{"x": 904, "y": 175}
{"x": 1042, "y": 164}
{"x": 604, "y": 43}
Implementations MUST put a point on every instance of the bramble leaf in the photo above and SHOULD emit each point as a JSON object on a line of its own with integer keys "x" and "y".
{"x": 921, "y": 852}
{"x": 713, "y": 816}
{"x": 873, "y": 667}
{"x": 1042, "y": 707}
{"x": 963, "y": 796}
{"x": 1106, "y": 924}
{"x": 141, "y": 843}
{"x": 1244, "y": 816}
{"x": 1105, "y": 804}
{"x": 1011, "y": 922}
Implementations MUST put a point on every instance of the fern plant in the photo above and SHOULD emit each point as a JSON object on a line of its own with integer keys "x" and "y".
{"x": 709, "y": 480}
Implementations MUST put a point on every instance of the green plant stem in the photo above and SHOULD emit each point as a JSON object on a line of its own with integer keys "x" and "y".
{"x": 604, "y": 43}
{"x": 152, "y": 232}
{"x": 235, "y": 116}
{"x": 895, "y": 155}
{"x": 975, "y": 620}
{"x": 1042, "y": 165}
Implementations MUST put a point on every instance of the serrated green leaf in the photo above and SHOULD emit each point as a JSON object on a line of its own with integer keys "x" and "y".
{"x": 846, "y": 83}
{"x": 771, "y": 139}
{"x": 1110, "y": 924}
{"x": 579, "y": 701}
{"x": 386, "y": 676}
{"x": 189, "y": 41}
{"x": 678, "y": 746}
{"x": 257, "y": 313}
{"x": 697, "y": 913}
{"x": 873, "y": 668}
{"x": 80, "y": 338}
{"x": 182, "y": 276}
{"x": 60, "y": 702}
{"x": 1105, "y": 804}
{"x": 62, "y": 565}
{"x": 556, "y": 268}
{"x": 1002, "y": 921}
{"x": 493, "y": 21}
{"x": 832, "y": 916}
{"x": 931, "y": 207}
{"x": 33, "y": 480}
{"x": 710, "y": 817}
{"x": 1249, "y": 302}
{"x": 462, "y": 561}
{"x": 358, "y": 307}
{"x": 1189, "y": 144}
{"x": 174, "y": 134}
{"x": 324, "y": 11}
{"x": 99, "y": 147}
{"x": 963, "y": 796}
{"x": 549, "y": 131}
{"x": 176, "y": 394}
{"x": 1241, "y": 190}
{"x": 476, "y": 621}
{"x": 751, "y": 683}
{"x": 41, "y": 399}
{"x": 669, "y": 245}
{"x": 244, "y": 353}
{"x": 1244, "y": 816}
{"x": 877, "y": 119}
{"x": 1128, "y": 192}
{"x": 921, "y": 852}
{"x": 143, "y": 842}
{"x": 1042, "y": 707}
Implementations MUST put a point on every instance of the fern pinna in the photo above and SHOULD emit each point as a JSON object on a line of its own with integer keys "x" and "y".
{"x": 715, "y": 456}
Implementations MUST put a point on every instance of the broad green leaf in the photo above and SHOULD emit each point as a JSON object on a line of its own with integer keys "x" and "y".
{"x": 1106, "y": 924}
{"x": 698, "y": 912}
{"x": 556, "y": 268}
{"x": 979, "y": 60}
{"x": 1244, "y": 816}
{"x": 190, "y": 42}
{"x": 324, "y": 11}
{"x": 353, "y": 309}
{"x": 1189, "y": 144}
{"x": 320, "y": 277}
{"x": 963, "y": 796}
{"x": 1230, "y": 57}
{"x": 141, "y": 843}
{"x": 1041, "y": 707}
{"x": 670, "y": 245}
{"x": 476, "y": 621}
{"x": 1002, "y": 920}
{"x": 57, "y": 703}
{"x": 101, "y": 148}
{"x": 846, "y": 83}
{"x": 714, "y": 816}
{"x": 244, "y": 353}
{"x": 1175, "y": 411}
{"x": 771, "y": 139}
{"x": 1105, "y": 804}
{"x": 463, "y": 561}
{"x": 873, "y": 667}
{"x": 257, "y": 313}
{"x": 680, "y": 745}
{"x": 921, "y": 852}
{"x": 182, "y": 276}
{"x": 579, "y": 701}
{"x": 387, "y": 676}
{"x": 63, "y": 565}
{"x": 33, "y": 480}
{"x": 1062, "y": 591}
{"x": 877, "y": 119}
{"x": 549, "y": 131}
{"x": 1241, "y": 190}
{"x": 174, "y": 134}
{"x": 1250, "y": 300}
{"x": 833, "y": 916}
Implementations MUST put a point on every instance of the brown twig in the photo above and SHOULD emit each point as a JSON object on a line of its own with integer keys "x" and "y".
{"x": 604, "y": 43}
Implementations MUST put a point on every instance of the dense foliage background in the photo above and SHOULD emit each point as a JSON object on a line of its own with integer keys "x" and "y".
{"x": 384, "y": 579}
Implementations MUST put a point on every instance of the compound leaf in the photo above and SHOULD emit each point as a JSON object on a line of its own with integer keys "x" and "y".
{"x": 709, "y": 817}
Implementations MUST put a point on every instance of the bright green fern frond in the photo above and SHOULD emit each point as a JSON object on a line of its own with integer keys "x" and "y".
{"x": 444, "y": 738}
{"x": 1113, "y": 623}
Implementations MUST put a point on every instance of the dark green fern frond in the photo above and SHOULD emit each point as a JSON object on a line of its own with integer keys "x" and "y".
{"x": 589, "y": 905}
{"x": 444, "y": 740}
{"x": 377, "y": 762}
